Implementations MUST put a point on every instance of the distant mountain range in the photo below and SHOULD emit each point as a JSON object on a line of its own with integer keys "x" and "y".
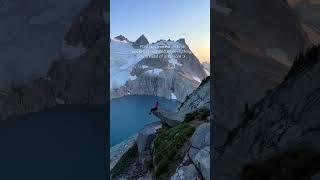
{"x": 165, "y": 68}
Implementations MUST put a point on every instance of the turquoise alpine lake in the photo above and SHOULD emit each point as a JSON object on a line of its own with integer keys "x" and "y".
{"x": 129, "y": 114}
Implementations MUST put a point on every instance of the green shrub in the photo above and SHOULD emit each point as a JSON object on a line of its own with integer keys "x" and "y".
{"x": 167, "y": 144}
{"x": 200, "y": 114}
{"x": 125, "y": 161}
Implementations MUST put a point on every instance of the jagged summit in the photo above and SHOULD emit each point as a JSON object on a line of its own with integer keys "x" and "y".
{"x": 182, "y": 41}
{"x": 141, "y": 41}
{"x": 121, "y": 38}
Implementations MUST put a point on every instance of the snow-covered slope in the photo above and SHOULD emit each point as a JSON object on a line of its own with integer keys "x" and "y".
{"x": 206, "y": 66}
{"x": 165, "y": 68}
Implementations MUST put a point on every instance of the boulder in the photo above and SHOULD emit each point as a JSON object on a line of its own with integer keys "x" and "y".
{"x": 201, "y": 136}
{"x": 199, "y": 151}
{"x": 186, "y": 172}
{"x": 144, "y": 142}
{"x": 202, "y": 161}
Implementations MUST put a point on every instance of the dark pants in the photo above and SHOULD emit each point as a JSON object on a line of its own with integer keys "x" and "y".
{"x": 153, "y": 109}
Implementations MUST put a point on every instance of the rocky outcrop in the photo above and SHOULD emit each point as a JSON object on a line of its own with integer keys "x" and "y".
{"x": 117, "y": 151}
{"x": 199, "y": 151}
{"x": 121, "y": 38}
{"x": 200, "y": 98}
{"x": 144, "y": 142}
{"x": 186, "y": 172}
{"x": 285, "y": 118}
{"x": 196, "y": 162}
{"x": 169, "y": 118}
{"x": 197, "y": 99}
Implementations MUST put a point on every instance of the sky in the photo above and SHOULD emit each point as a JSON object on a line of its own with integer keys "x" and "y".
{"x": 164, "y": 19}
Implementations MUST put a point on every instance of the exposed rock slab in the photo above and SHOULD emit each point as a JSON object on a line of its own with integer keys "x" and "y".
{"x": 199, "y": 151}
{"x": 168, "y": 117}
{"x": 199, "y": 98}
{"x": 118, "y": 150}
{"x": 186, "y": 173}
{"x": 144, "y": 141}
{"x": 285, "y": 118}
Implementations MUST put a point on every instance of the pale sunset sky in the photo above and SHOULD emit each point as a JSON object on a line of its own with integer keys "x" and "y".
{"x": 164, "y": 19}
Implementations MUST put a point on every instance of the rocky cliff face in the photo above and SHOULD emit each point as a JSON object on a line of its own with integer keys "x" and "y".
{"x": 78, "y": 77}
{"x": 33, "y": 37}
{"x": 253, "y": 51}
{"x": 199, "y": 98}
{"x": 285, "y": 118}
{"x": 165, "y": 68}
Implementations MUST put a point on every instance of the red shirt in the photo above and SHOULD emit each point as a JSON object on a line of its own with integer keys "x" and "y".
{"x": 157, "y": 104}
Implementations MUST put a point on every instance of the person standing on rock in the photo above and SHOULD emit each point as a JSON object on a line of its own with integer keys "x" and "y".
{"x": 155, "y": 107}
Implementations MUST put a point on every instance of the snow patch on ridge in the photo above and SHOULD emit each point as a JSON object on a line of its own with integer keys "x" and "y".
{"x": 196, "y": 78}
{"x": 207, "y": 72}
{"x": 174, "y": 62}
{"x": 155, "y": 71}
{"x": 173, "y": 96}
{"x": 132, "y": 78}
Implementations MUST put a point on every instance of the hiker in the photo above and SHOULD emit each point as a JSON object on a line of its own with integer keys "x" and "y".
{"x": 154, "y": 108}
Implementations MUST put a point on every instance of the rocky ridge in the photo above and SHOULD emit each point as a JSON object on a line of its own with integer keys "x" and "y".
{"x": 286, "y": 119}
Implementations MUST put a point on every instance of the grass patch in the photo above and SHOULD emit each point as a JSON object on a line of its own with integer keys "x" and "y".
{"x": 200, "y": 114}
{"x": 167, "y": 145}
{"x": 295, "y": 164}
{"x": 125, "y": 161}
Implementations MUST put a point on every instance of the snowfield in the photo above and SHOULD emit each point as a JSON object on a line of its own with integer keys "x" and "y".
{"x": 123, "y": 57}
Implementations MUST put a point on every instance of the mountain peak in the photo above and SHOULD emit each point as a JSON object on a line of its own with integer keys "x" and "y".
{"x": 121, "y": 38}
{"x": 141, "y": 41}
{"x": 182, "y": 41}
